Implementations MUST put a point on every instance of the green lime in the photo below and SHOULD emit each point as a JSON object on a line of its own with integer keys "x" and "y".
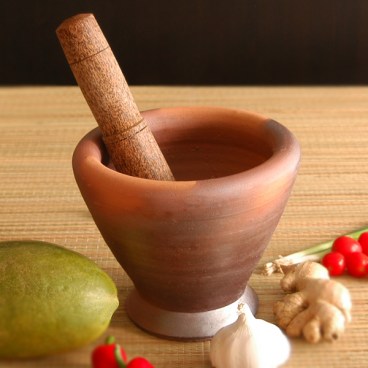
{"x": 52, "y": 299}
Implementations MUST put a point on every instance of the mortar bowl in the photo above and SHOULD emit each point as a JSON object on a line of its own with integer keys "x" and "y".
{"x": 190, "y": 246}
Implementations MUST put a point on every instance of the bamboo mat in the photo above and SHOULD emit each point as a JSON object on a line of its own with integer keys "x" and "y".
{"x": 39, "y": 199}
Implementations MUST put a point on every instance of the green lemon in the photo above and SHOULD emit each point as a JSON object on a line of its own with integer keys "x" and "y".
{"x": 52, "y": 299}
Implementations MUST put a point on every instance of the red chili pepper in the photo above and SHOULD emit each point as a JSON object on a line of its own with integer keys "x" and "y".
{"x": 109, "y": 355}
{"x": 139, "y": 362}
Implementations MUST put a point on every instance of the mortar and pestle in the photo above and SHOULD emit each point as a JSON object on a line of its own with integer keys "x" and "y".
{"x": 189, "y": 245}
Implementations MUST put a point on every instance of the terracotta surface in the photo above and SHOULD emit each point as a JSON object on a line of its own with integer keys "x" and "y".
{"x": 191, "y": 245}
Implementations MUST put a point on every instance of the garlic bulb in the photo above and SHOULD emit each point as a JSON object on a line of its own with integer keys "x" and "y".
{"x": 249, "y": 343}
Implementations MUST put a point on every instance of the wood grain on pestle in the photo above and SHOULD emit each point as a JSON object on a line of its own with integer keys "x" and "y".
{"x": 129, "y": 141}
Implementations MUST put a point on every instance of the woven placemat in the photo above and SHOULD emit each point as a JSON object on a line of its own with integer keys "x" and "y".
{"x": 40, "y": 126}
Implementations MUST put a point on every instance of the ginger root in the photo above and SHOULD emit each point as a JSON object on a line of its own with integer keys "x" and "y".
{"x": 318, "y": 308}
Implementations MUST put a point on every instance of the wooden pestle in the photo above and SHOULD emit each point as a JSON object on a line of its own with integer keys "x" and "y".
{"x": 129, "y": 141}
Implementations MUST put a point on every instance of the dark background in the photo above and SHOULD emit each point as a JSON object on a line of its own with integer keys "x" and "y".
{"x": 201, "y": 42}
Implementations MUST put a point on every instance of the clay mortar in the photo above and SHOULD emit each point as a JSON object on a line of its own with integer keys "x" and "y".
{"x": 190, "y": 245}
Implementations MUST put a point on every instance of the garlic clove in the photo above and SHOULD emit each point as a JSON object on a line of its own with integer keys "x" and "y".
{"x": 274, "y": 349}
{"x": 249, "y": 343}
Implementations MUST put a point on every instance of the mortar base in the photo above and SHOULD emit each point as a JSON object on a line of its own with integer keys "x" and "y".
{"x": 185, "y": 326}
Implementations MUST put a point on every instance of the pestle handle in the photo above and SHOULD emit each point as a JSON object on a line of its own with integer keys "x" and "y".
{"x": 129, "y": 141}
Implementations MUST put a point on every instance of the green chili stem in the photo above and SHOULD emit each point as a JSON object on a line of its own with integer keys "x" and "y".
{"x": 118, "y": 356}
{"x": 314, "y": 253}
{"x": 109, "y": 340}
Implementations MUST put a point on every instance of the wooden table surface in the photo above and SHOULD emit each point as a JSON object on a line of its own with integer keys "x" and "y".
{"x": 40, "y": 126}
